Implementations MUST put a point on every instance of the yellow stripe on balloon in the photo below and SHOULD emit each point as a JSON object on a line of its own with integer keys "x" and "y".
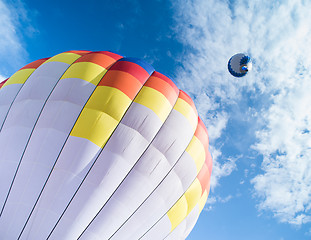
{"x": 19, "y": 77}
{"x": 95, "y": 126}
{"x": 185, "y": 109}
{"x": 193, "y": 195}
{"x": 155, "y": 101}
{"x": 197, "y": 151}
{"x": 64, "y": 57}
{"x": 110, "y": 100}
{"x": 185, "y": 204}
{"x": 101, "y": 115}
{"x": 178, "y": 212}
{"x": 87, "y": 71}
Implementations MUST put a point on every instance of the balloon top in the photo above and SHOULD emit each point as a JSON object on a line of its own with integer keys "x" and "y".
{"x": 239, "y": 65}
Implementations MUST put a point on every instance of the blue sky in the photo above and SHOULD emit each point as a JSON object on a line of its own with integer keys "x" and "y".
{"x": 259, "y": 126}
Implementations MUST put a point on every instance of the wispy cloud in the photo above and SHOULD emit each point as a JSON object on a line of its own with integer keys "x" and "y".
{"x": 221, "y": 169}
{"x": 12, "y": 51}
{"x": 285, "y": 143}
{"x": 276, "y": 95}
{"x": 2, "y": 78}
{"x": 211, "y": 201}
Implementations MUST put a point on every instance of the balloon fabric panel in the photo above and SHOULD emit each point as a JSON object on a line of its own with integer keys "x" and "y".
{"x": 38, "y": 130}
{"x": 16, "y": 81}
{"x": 155, "y": 163}
{"x": 119, "y": 137}
{"x": 17, "y": 131}
{"x": 61, "y": 164}
{"x": 74, "y": 92}
{"x": 148, "y": 126}
{"x": 177, "y": 211}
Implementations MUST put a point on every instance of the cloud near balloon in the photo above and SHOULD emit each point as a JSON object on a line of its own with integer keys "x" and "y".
{"x": 278, "y": 37}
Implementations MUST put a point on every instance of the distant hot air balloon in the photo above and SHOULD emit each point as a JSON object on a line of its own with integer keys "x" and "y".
{"x": 97, "y": 146}
{"x": 239, "y": 65}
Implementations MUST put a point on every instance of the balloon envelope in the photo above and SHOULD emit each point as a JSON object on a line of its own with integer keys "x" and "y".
{"x": 239, "y": 65}
{"x": 97, "y": 146}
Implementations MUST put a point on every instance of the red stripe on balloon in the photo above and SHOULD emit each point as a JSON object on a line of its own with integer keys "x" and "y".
{"x": 204, "y": 178}
{"x": 166, "y": 79}
{"x": 79, "y": 52}
{"x": 3, "y": 82}
{"x": 209, "y": 162}
{"x": 123, "y": 81}
{"x": 162, "y": 84}
{"x": 35, "y": 64}
{"x": 110, "y": 54}
{"x": 188, "y": 99}
{"x": 201, "y": 134}
{"x": 98, "y": 58}
{"x": 132, "y": 68}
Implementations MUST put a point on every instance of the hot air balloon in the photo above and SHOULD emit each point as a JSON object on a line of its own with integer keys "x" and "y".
{"x": 239, "y": 65}
{"x": 99, "y": 146}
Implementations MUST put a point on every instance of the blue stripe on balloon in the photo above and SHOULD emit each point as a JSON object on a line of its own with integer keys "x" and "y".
{"x": 234, "y": 73}
{"x": 149, "y": 69}
{"x": 245, "y": 60}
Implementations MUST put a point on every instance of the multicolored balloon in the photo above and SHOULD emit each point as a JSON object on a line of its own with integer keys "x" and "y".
{"x": 239, "y": 65}
{"x": 97, "y": 146}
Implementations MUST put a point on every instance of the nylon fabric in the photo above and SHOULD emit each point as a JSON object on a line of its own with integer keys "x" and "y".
{"x": 61, "y": 112}
{"x": 92, "y": 143}
{"x": 44, "y": 79}
{"x": 9, "y": 93}
{"x": 116, "y": 96}
{"x": 160, "y": 202}
{"x": 162, "y": 154}
{"x": 121, "y": 152}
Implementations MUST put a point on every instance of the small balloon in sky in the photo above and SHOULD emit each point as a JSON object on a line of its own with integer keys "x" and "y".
{"x": 239, "y": 65}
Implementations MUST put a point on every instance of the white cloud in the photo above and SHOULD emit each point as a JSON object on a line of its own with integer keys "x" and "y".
{"x": 12, "y": 52}
{"x": 221, "y": 169}
{"x": 2, "y": 78}
{"x": 211, "y": 201}
{"x": 277, "y": 34}
{"x": 285, "y": 144}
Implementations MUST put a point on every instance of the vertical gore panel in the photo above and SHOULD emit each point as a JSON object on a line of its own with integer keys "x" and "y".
{"x": 155, "y": 163}
{"x": 191, "y": 198}
{"x": 151, "y": 214}
{"x": 176, "y": 183}
{"x": 96, "y": 146}
{"x": 53, "y": 128}
{"x": 15, "y": 137}
{"x": 11, "y": 86}
{"x": 102, "y": 114}
{"x": 109, "y": 102}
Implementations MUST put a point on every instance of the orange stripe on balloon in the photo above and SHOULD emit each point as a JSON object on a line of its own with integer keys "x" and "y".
{"x": 162, "y": 86}
{"x": 204, "y": 177}
{"x": 132, "y": 68}
{"x": 98, "y": 58}
{"x": 201, "y": 134}
{"x": 188, "y": 99}
{"x": 209, "y": 162}
{"x": 110, "y": 54}
{"x": 79, "y": 52}
{"x": 123, "y": 81}
{"x": 166, "y": 79}
{"x": 35, "y": 64}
